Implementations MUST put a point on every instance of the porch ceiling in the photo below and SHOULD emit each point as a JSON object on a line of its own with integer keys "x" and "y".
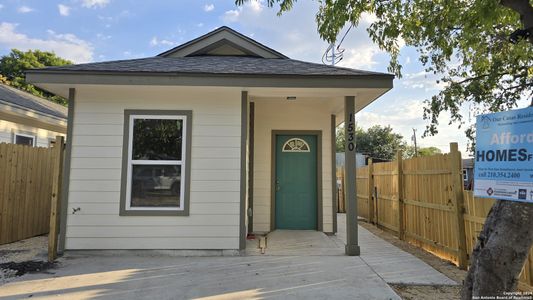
{"x": 333, "y": 96}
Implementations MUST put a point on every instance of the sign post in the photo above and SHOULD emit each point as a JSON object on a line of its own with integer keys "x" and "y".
{"x": 504, "y": 155}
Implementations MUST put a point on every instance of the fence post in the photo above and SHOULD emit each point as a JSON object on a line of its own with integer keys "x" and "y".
{"x": 56, "y": 190}
{"x": 401, "y": 211}
{"x": 456, "y": 166}
{"x": 370, "y": 192}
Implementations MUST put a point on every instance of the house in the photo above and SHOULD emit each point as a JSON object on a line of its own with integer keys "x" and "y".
{"x": 202, "y": 144}
{"x": 468, "y": 173}
{"x": 360, "y": 159}
{"x": 28, "y": 119}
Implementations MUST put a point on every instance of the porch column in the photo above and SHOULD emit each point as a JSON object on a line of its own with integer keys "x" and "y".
{"x": 352, "y": 244}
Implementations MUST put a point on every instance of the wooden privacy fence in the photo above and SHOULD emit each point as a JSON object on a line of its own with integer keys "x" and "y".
{"x": 26, "y": 179}
{"x": 423, "y": 202}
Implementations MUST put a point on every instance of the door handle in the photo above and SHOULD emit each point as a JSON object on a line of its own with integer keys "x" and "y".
{"x": 278, "y": 187}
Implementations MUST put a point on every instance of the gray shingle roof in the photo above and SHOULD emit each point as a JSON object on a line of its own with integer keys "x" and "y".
{"x": 28, "y": 101}
{"x": 215, "y": 65}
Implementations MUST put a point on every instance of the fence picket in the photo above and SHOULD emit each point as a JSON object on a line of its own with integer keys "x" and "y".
{"x": 25, "y": 186}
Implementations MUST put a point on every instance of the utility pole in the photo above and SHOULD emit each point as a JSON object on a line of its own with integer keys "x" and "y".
{"x": 414, "y": 140}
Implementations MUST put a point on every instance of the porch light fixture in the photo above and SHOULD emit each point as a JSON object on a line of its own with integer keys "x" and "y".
{"x": 291, "y": 98}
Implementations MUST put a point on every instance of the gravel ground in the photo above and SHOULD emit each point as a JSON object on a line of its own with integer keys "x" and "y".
{"x": 29, "y": 255}
{"x": 423, "y": 291}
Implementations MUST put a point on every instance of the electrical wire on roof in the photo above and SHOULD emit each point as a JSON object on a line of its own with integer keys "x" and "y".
{"x": 333, "y": 55}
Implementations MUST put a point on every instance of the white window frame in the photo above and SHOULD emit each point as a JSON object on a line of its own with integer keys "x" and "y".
{"x": 33, "y": 137}
{"x": 181, "y": 162}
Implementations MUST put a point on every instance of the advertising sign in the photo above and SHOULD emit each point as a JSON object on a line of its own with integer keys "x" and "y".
{"x": 503, "y": 167}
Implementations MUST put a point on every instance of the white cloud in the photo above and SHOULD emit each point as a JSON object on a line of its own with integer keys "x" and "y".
{"x": 109, "y": 20}
{"x": 24, "y": 9}
{"x": 422, "y": 80}
{"x": 403, "y": 115}
{"x": 367, "y": 18}
{"x": 1, "y": 6}
{"x": 102, "y": 36}
{"x": 66, "y": 45}
{"x": 256, "y": 5}
{"x": 157, "y": 42}
{"x": 209, "y": 7}
{"x": 232, "y": 16}
{"x": 295, "y": 33}
{"x": 361, "y": 56}
{"x": 63, "y": 9}
{"x": 95, "y": 3}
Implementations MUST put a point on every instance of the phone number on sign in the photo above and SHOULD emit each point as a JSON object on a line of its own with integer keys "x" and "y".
{"x": 499, "y": 175}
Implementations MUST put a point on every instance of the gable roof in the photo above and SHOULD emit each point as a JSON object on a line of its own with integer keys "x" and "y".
{"x": 223, "y": 38}
{"x": 222, "y": 57}
{"x": 20, "y": 99}
{"x": 214, "y": 65}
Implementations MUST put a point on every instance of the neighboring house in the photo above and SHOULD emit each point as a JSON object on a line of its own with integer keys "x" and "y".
{"x": 468, "y": 173}
{"x": 202, "y": 144}
{"x": 28, "y": 119}
{"x": 360, "y": 160}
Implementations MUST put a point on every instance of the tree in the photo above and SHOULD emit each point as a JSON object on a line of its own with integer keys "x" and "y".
{"x": 409, "y": 152}
{"x": 429, "y": 151}
{"x": 377, "y": 142}
{"x": 13, "y": 65}
{"x": 483, "y": 52}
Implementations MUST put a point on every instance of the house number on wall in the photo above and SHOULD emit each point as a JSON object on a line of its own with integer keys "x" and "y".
{"x": 351, "y": 133}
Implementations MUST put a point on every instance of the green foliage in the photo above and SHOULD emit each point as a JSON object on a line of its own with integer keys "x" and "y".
{"x": 13, "y": 65}
{"x": 377, "y": 142}
{"x": 429, "y": 151}
{"x": 464, "y": 42}
{"x": 340, "y": 139}
{"x": 157, "y": 139}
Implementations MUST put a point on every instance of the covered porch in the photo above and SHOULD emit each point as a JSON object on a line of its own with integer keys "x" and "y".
{"x": 289, "y": 144}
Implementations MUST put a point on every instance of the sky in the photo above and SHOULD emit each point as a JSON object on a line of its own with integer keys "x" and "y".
{"x": 100, "y": 30}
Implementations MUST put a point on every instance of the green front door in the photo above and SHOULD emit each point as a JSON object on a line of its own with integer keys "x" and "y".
{"x": 296, "y": 182}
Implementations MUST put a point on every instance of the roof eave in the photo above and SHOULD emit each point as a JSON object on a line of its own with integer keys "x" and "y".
{"x": 208, "y": 79}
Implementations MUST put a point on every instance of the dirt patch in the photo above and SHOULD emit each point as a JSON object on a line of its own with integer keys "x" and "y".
{"x": 21, "y": 268}
{"x": 441, "y": 265}
{"x": 34, "y": 248}
{"x": 429, "y": 292}
{"x": 26, "y": 256}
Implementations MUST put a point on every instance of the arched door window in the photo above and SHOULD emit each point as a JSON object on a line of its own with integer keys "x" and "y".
{"x": 295, "y": 145}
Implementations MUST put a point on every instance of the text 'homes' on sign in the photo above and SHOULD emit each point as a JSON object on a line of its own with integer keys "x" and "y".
{"x": 504, "y": 155}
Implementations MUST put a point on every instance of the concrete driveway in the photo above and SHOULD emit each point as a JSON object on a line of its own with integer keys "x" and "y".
{"x": 288, "y": 270}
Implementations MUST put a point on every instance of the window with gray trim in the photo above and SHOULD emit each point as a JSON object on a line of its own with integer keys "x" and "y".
{"x": 156, "y": 163}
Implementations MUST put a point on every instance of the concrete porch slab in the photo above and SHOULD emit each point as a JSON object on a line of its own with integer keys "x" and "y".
{"x": 298, "y": 242}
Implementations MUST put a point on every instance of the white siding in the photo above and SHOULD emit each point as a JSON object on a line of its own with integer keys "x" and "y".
{"x": 275, "y": 114}
{"x": 43, "y": 136}
{"x": 96, "y": 171}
